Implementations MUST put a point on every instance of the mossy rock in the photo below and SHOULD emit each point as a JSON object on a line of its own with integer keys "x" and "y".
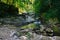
{"x": 56, "y": 31}
{"x": 30, "y": 26}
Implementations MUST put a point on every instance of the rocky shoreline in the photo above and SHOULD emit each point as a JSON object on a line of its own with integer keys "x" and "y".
{"x": 11, "y": 33}
{"x": 10, "y": 29}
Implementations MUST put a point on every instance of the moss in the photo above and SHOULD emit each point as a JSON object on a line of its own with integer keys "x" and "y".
{"x": 55, "y": 29}
{"x": 28, "y": 26}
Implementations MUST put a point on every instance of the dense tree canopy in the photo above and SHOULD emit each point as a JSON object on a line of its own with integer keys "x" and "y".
{"x": 47, "y": 9}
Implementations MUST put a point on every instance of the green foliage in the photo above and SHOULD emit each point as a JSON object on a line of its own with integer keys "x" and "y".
{"x": 51, "y": 13}
{"x": 41, "y": 6}
{"x": 49, "y": 8}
